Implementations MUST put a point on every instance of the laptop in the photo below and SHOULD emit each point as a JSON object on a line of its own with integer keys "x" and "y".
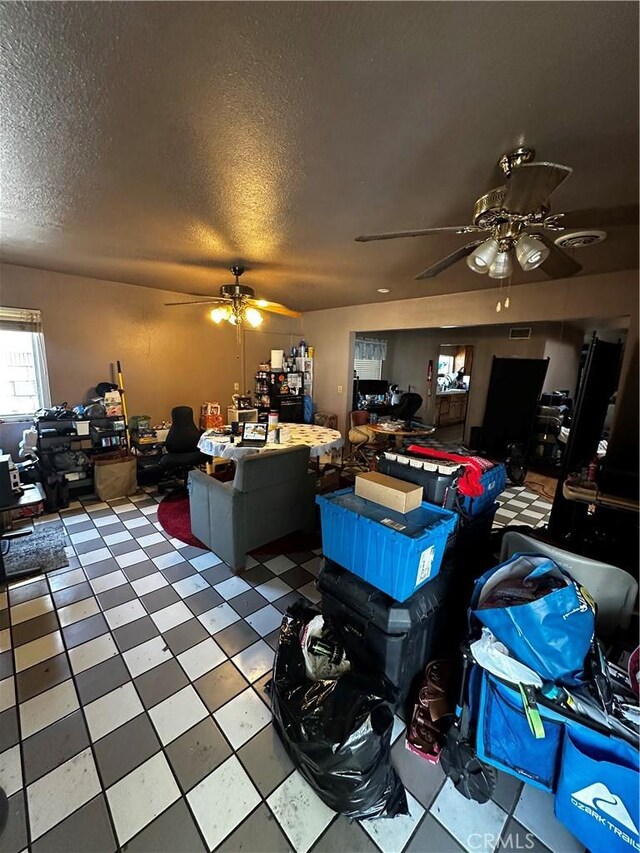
{"x": 254, "y": 435}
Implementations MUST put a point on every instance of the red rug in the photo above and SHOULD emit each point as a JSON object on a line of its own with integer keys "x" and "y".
{"x": 173, "y": 515}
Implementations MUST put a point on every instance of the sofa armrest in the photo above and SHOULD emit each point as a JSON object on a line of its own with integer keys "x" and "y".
{"x": 217, "y": 518}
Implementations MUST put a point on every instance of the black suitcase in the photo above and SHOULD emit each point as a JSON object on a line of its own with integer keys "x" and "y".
{"x": 384, "y": 635}
{"x": 439, "y": 488}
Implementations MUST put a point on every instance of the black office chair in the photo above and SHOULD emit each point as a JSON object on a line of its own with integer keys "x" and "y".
{"x": 407, "y": 407}
{"x": 182, "y": 449}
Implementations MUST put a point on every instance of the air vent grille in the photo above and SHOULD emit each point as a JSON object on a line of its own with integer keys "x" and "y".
{"x": 520, "y": 333}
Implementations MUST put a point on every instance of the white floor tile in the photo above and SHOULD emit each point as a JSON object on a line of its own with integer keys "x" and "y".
{"x": 150, "y": 539}
{"x": 112, "y": 710}
{"x": 177, "y": 543}
{"x": 84, "y": 536}
{"x": 280, "y": 564}
{"x": 163, "y": 561}
{"x": 251, "y": 562}
{"x": 254, "y": 661}
{"x": 506, "y": 513}
{"x": 273, "y": 589}
{"x": 534, "y": 810}
{"x": 70, "y": 520}
{"x": 313, "y": 565}
{"x": 61, "y": 792}
{"x": 77, "y": 611}
{"x": 148, "y": 510}
{"x": 5, "y": 640}
{"x": 4, "y": 600}
{"x": 7, "y": 693}
{"x": 122, "y": 508}
{"x": 171, "y": 616}
{"x": 47, "y": 707}
{"x": 218, "y": 618}
{"x": 95, "y": 507}
{"x": 115, "y": 538}
{"x": 201, "y": 658}
{"x": 10, "y": 770}
{"x": 532, "y": 513}
{"x": 266, "y": 620}
{"x": 91, "y": 653}
{"x": 234, "y": 795}
{"x": 189, "y": 586}
{"x": 106, "y": 520}
{"x": 309, "y": 591}
{"x": 399, "y": 727}
{"x": 132, "y": 523}
{"x": 124, "y": 613}
{"x": 232, "y": 587}
{"x": 38, "y": 650}
{"x": 463, "y": 818}
{"x": 243, "y": 717}
{"x": 96, "y": 556}
{"x": 130, "y": 559}
{"x": 146, "y": 656}
{"x": 392, "y": 836}
{"x": 31, "y": 609}
{"x": 177, "y": 714}
{"x": 300, "y": 812}
{"x": 205, "y": 561}
{"x": 149, "y": 583}
{"x": 106, "y": 582}
{"x": 141, "y": 796}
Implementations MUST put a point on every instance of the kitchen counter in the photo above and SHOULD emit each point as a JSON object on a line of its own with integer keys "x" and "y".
{"x": 451, "y": 407}
{"x": 451, "y": 391}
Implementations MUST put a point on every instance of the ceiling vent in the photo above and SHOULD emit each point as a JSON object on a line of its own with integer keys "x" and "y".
{"x": 578, "y": 239}
{"x": 520, "y": 333}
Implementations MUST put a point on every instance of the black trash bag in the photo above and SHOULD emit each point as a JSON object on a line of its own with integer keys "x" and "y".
{"x": 337, "y": 733}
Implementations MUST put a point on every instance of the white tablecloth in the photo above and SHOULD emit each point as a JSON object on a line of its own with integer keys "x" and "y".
{"x": 318, "y": 439}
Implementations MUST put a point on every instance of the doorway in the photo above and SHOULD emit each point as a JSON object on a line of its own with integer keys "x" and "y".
{"x": 453, "y": 381}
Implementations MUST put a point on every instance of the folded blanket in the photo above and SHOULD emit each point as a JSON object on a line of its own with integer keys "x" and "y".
{"x": 470, "y": 483}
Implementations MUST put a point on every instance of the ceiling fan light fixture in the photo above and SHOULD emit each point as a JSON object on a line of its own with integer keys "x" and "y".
{"x": 220, "y": 314}
{"x": 502, "y": 265}
{"x": 481, "y": 259}
{"x": 530, "y": 252}
{"x": 253, "y": 317}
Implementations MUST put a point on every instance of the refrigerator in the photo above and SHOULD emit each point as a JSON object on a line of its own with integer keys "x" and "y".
{"x": 281, "y": 391}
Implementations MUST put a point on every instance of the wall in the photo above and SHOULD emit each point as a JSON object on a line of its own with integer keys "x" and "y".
{"x": 170, "y": 356}
{"x": 332, "y": 331}
{"x": 563, "y": 350}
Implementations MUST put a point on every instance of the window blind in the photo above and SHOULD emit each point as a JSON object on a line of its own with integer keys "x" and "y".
{"x": 368, "y": 368}
{"x": 20, "y": 320}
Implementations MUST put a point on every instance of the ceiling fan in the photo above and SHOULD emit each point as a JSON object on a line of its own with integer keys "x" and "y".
{"x": 237, "y": 304}
{"x": 516, "y": 214}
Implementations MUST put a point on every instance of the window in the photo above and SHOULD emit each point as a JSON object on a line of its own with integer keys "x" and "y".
{"x": 368, "y": 368}
{"x": 24, "y": 385}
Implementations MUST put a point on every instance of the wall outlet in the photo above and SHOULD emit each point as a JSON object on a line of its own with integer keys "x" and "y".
{"x": 339, "y": 389}
{"x": 236, "y": 386}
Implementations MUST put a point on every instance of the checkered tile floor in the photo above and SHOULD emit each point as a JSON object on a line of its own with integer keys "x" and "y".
{"x": 134, "y": 712}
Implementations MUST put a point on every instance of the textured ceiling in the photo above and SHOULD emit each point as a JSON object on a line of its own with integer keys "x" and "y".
{"x": 157, "y": 143}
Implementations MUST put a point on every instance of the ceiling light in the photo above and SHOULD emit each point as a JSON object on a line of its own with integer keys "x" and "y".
{"x": 481, "y": 258}
{"x": 220, "y": 314}
{"x": 383, "y": 290}
{"x": 234, "y": 320}
{"x": 253, "y": 317}
{"x": 530, "y": 252}
{"x": 502, "y": 266}
{"x": 262, "y": 303}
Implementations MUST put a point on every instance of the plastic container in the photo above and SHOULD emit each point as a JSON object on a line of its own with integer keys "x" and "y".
{"x": 395, "y": 553}
{"x": 494, "y": 482}
{"x": 397, "y": 639}
{"x": 439, "y": 488}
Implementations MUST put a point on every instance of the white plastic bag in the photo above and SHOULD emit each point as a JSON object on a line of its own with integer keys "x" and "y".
{"x": 319, "y": 667}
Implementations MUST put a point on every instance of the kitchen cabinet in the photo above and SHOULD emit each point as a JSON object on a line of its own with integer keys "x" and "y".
{"x": 451, "y": 408}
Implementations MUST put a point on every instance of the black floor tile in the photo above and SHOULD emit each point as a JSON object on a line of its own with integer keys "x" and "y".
{"x": 203, "y": 601}
{"x": 119, "y": 548}
{"x": 184, "y": 636}
{"x": 197, "y": 753}
{"x": 130, "y": 514}
{"x": 20, "y": 594}
{"x": 160, "y": 598}
{"x": 297, "y": 577}
{"x": 283, "y": 603}
{"x": 72, "y": 594}
{"x": 423, "y": 779}
{"x": 178, "y": 572}
{"x": 236, "y": 637}
{"x": 248, "y": 602}
{"x": 6, "y": 664}
{"x": 116, "y": 526}
{"x": 9, "y": 728}
{"x": 221, "y": 684}
{"x": 160, "y": 682}
{"x": 158, "y": 549}
{"x": 102, "y": 678}
{"x": 257, "y": 575}
{"x": 32, "y": 629}
{"x": 346, "y": 835}
{"x": 88, "y": 829}
{"x": 87, "y": 629}
{"x": 104, "y": 567}
{"x": 116, "y": 596}
{"x": 431, "y": 835}
{"x": 126, "y": 748}
{"x": 258, "y": 833}
{"x": 191, "y": 551}
{"x": 516, "y": 837}
{"x": 44, "y": 675}
{"x": 173, "y": 832}
{"x": 14, "y": 836}
{"x": 49, "y": 748}
{"x": 217, "y": 574}
{"x": 89, "y": 545}
{"x": 266, "y": 761}
{"x": 134, "y": 633}
{"x": 140, "y": 570}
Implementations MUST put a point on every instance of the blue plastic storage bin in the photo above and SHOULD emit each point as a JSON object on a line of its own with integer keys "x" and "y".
{"x": 494, "y": 481}
{"x": 396, "y": 553}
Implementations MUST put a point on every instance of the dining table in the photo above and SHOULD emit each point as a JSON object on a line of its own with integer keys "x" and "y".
{"x": 399, "y": 433}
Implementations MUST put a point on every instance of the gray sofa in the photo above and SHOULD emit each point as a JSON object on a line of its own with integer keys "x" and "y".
{"x": 272, "y": 494}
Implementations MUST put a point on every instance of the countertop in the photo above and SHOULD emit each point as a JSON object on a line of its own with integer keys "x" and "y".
{"x": 451, "y": 392}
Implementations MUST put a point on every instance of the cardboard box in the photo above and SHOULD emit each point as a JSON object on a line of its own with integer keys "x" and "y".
{"x": 389, "y": 491}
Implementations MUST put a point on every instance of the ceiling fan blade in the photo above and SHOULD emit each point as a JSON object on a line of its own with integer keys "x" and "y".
{"x": 273, "y": 307}
{"x": 530, "y": 186}
{"x": 421, "y": 232}
{"x": 214, "y": 300}
{"x": 559, "y": 264}
{"x": 451, "y": 259}
{"x": 601, "y": 217}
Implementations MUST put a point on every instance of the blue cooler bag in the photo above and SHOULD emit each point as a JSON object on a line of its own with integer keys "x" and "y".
{"x": 598, "y": 791}
{"x": 551, "y": 634}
